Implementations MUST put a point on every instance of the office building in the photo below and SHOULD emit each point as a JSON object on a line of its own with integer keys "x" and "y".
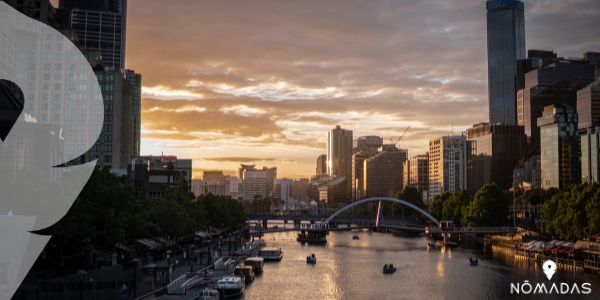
{"x": 383, "y": 172}
{"x": 554, "y": 84}
{"x": 41, "y": 10}
{"x": 154, "y": 176}
{"x": 321, "y": 165}
{"x": 505, "y": 45}
{"x": 100, "y": 26}
{"x": 593, "y": 58}
{"x": 559, "y": 144}
{"x": 588, "y": 116}
{"x": 358, "y": 160}
{"x": 254, "y": 184}
{"x": 369, "y": 143}
{"x": 119, "y": 140}
{"x": 334, "y": 192}
{"x": 300, "y": 190}
{"x": 495, "y": 151}
{"x": 416, "y": 174}
{"x": 448, "y": 157}
{"x": 339, "y": 156}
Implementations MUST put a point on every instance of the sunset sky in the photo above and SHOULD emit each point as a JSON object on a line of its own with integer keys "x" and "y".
{"x": 230, "y": 82}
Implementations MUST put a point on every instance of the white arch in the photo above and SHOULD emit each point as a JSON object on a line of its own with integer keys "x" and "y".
{"x": 400, "y": 201}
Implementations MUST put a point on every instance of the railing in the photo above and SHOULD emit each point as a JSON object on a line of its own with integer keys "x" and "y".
{"x": 176, "y": 286}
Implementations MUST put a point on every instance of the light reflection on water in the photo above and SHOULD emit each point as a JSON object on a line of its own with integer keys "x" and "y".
{"x": 352, "y": 269}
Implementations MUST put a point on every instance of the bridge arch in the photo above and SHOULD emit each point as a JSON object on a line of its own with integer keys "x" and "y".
{"x": 387, "y": 199}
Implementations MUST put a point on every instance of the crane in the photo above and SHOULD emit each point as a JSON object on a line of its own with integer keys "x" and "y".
{"x": 400, "y": 137}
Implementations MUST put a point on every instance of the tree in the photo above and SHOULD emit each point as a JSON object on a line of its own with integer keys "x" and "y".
{"x": 489, "y": 207}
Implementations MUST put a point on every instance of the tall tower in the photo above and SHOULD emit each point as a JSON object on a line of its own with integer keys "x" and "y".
{"x": 505, "y": 44}
{"x": 339, "y": 155}
{"x": 100, "y": 26}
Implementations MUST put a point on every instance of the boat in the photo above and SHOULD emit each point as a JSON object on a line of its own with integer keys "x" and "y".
{"x": 473, "y": 261}
{"x": 355, "y": 237}
{"x": 208, "y": 294}
{"x": 230, "y": 286}
{"x": 312, "y": 236}
{"x": 256, "y": 263}
{"x": 311, "y": 259}
{"x": 430, "y": 246}
{"x": 246, "y": 272}
{"x": 389, "y": 269}
{"x": 271, "y": 254}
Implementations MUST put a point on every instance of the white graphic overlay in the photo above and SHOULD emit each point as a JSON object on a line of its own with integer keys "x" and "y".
{"x": 61, "y": 119}
{"x": 549, "y": 269}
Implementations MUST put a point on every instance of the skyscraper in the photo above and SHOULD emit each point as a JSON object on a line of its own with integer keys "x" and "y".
{"x": 448, "y": 156}
{"x": 321, "y": 165}
{"x": 496, "y": 150}
{"x": 100, "y": 26}
{"x": 554, "y": 84}
{"x": 588, "y": 115}
{"x": 506, "y": 45}
{"x": 559, "y": 146}
{"x": 339, "y": 156}
{"x": 383, "y": 172}
{"x": 368, "y": 143}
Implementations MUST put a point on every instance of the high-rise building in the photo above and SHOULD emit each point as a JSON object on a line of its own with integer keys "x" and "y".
{"x": 134, "y": 80}
{"x": 554, "y": 84}
{"x": 41, "y": 10}
{"x": 369, "y": 143}
{"x": 505, "y": 44}
{"x": 588, "y": 115}
{"x": 339, "y": 156}
{"x": 321, "y": 165}
{"x": 100, "y": 26}
{"x": 448, "y": 156}
{"x": 119, "y": 140}
{"x": 243, "y": 168}
{"x": 559, "y": 144}
{"x": 416, "y": 174}
{"x": 495, "y": 151}
{"x": 254, "y": 184}
{"x": 383, "y": 172}
{"x": 528, "y": 173}
{"x": 593, "y": 58}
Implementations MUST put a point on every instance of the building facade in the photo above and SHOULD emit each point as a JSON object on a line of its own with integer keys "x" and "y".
{"x": 559, "y": 144}
{"x": 100, "y": 27}
{"x": 448, "y": 157}
{"x": 505, "y": 45}
{"x": 154, "y": 176}
{"x": 554, "y": 84}
{"x": 339, "y": 156}
{"x": 383, "y": 172}
{"x": 369, "y": 143}
{"x": 321, "y": 165}
{"x": 495, "y": 151}
{"x": 416, "y": 174}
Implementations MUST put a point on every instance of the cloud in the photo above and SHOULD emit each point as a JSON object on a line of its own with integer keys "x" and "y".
{"x": 273, "y": 81}
{"x": 240, "y": 159}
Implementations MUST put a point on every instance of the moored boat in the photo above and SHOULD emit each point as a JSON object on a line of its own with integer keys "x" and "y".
{"x": 246, "y": 272}
{"x": 230, "y": 286}
{"x": 271, "y": 254}
{"x": 256, "y": 263}
{"x": 208, "y": 294}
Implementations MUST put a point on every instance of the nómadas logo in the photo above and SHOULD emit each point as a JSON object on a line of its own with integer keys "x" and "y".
{"x": 555, "y": 288}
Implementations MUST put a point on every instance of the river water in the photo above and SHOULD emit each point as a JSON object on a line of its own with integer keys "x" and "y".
{"x": 352, "y": 269}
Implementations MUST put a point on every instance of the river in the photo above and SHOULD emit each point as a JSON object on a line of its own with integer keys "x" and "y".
{"x": 352, "y": 269}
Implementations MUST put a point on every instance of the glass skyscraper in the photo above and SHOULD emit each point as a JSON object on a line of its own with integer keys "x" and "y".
{"x": 506, "y": 45}
{"x": 100, "y": 26}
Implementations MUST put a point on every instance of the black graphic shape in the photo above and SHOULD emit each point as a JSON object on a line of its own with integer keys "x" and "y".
{"x": 12, "y": 102}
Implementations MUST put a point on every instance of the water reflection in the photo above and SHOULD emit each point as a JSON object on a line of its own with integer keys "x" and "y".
{"x": 352, "y": 269}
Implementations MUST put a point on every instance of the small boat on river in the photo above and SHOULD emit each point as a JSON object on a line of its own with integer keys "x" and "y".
{"x": 311, "y": 259}
{"x": 389, "y": 269}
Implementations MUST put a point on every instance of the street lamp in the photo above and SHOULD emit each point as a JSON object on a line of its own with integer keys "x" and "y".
{"x": 135, "y": 267}
{"x": 81, "y": 274}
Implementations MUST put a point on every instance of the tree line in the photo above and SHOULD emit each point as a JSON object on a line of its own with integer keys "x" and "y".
{"x": 107, "y": 212}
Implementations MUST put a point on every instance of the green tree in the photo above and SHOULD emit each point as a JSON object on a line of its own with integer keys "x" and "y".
{"x": 489, "y": 207}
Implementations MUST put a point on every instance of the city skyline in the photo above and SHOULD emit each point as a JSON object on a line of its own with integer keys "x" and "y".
{"x": 270, "y": 85}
